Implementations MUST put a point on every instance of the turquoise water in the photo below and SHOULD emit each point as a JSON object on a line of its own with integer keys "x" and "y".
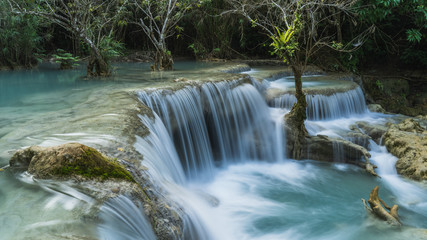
{"x": 282, "y": 199}
{"x": 46, "y": 107}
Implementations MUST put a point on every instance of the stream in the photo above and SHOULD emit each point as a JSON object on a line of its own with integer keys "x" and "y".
{"x": 215, "y": 148}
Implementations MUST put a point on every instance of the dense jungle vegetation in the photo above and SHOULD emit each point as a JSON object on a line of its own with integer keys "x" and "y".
{"x": 394, "y": 32}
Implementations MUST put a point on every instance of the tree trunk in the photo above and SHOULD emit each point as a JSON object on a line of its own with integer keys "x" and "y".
{"x": 295, "y": 119}
{"x": 297, "y": 70}
{"x": 163, "y": 61}
{"x": 97, "y": 67}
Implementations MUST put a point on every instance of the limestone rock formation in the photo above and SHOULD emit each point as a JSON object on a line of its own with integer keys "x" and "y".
{"x": 358, "y": 136}
{"x": 323, "y": 148}
{"x": 102, "y": 178}
{"x": 68, "y": 161}
{"x": 408, "y": 141}
{"x": 376, "y": 108}
{"x": 375, "y": 131}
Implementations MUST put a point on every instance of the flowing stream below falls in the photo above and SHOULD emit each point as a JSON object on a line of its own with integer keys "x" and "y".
{"x": 215, "y": 146}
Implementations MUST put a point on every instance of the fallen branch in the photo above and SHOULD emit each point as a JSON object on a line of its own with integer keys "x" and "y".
{"x": 377, "y": 207}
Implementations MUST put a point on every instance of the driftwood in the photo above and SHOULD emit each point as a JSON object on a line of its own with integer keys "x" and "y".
{"x": 378, "y": 208}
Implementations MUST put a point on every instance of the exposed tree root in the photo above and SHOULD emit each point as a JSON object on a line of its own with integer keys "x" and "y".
{"x": 378, "y": 207}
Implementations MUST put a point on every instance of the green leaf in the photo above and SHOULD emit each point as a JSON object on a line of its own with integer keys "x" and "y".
{"x": 413, "y": 35}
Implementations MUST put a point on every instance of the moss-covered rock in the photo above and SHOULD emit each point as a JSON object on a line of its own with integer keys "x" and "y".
{"x": 68, "y": 161}
{"x": 397, "y": 94}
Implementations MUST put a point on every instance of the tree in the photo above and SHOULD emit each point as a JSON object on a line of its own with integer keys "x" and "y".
{"x": 298, "y": 30}
{"x": 20, "y": 38}
{"x": 159, "y": 21}
{"x": 92, "y": 21}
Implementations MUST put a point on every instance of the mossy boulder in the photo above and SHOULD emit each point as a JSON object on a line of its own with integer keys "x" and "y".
{"x": 68, "y": 161}
{"x": 408, "y": 141}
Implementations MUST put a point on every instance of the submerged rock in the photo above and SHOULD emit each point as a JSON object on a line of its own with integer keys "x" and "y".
{"x": 408, "y": 141}
{"x": 69, "y": 160}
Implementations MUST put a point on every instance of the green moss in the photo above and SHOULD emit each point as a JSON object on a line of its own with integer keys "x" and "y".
{"x": 92, "y": 164}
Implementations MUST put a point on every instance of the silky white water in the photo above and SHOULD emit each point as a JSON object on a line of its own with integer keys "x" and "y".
{"x": 215, "y": 149}
{"x": 270, "y": 197}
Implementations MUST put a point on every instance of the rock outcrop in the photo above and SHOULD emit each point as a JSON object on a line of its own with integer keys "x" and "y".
{"x": 375, "y": 131}
{"x": 376, "y": 108}
{"x": 408, "y": 141}
{"x": 102, "y": 178}
{"x": 71, "y": 160}
{"x": 327, "y": 149}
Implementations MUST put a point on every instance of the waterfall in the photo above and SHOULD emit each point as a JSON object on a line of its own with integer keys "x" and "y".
{"x": 196, "y": 128}
{"x": 122, "y": 219}
{"x": 159, "y": 153}
{"x": 182, "y": 113}
{"x": 321, "y": 107}
{"x": 215, "y": 124}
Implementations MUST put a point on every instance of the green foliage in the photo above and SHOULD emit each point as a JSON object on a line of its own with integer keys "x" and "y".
{"x": 284, "y": 44}
{"x": 380, "y": 85}
{"x": 65, "y": 59}
{"x": 414, "y": 35}
{"x": 111, "y": 48}
{"x": 198, "y": 50}
{"x": 401, "y": 29}
{"x": 214, "y": 35}
{"x": 20, "y": 38}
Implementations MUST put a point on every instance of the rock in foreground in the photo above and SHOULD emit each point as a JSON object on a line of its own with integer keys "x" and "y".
{"x": 68, "y": 160}
{"x": 408, "y": 142}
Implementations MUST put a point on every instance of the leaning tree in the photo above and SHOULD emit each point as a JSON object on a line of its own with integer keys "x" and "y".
{"x": 159, "y": 21}
{"x": 92, "y": 21}
{"x": 298, "y": 30}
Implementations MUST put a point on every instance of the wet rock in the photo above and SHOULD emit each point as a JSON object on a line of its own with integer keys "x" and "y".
{"x": 180, "y": 79}
{"x": 327, "y": 149}
{"x": 375, "y": 131}
{"x": 321, "y": 148}
{"x": 236, "y": 68}
{"x": 165, "y": 215}
{"x": 408, "y": 141}
{"x": 67, "y": 161}
{"x": 376, "y": 108}
{"x": 103, "y": 179}
{"x": 358, "y": 137}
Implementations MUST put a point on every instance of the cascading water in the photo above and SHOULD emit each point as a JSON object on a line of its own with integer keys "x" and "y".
{"x": 182, "y": 114}
{"x": 216, "y": 151}
{"x": 409, "y": 195}
{"x": 333, "y": 106}
{"x": 228, "y": 122}
{"x": 122, "y": 219}
{"x": 216, "y": 123}
{"x": 257, "y": 199}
